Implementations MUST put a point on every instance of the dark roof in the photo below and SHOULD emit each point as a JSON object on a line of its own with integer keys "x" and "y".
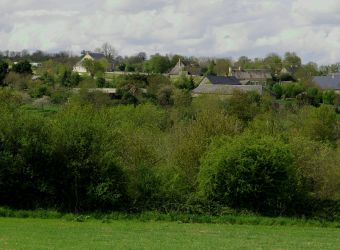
{"x": 328, "y": 82}
{"x": 251, "y": 74}
{"x": 228, "y": 80}
{"x": 96, "y": 56}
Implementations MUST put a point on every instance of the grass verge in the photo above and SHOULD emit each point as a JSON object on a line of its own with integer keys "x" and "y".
{"x": 231, "y": 219}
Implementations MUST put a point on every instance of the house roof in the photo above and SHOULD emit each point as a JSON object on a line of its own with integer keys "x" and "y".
{"x": 328, "y": 82}
{"x": 96, "y": 56}
{"x": 181, "y": 67}
{"x": 229, "y": 80}
{"x": 223, "y": 89}
{"x": 250, "y": 74}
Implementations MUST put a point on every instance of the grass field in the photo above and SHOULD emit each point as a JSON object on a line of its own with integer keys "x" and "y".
{"x": 30, "y": 233}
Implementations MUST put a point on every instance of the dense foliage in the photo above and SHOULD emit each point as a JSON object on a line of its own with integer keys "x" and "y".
{"x": 67, "y": 145}
{"x": 166, "y": 151}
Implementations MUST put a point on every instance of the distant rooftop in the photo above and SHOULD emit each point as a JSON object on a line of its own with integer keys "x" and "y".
{"x": 248, "y": 74}
{"x": 228, "y": 80}
{"x": 331, "y": 81}
{"x": 95, "y": 55}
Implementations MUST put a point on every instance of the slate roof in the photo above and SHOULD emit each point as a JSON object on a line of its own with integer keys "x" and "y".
{"x": 223, "y": 89}
{"x": 229, "y": 80}
{"x": 251, "y": 74}
{"x": 96, "y": 56}
{"x": 328, "y": 82}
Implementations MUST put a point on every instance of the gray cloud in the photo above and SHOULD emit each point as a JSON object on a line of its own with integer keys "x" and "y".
{"x": 206, "y": 28}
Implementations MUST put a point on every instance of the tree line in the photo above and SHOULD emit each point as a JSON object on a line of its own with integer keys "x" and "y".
{"x": 196, "y": 155}
{"x": 157, "y": 63}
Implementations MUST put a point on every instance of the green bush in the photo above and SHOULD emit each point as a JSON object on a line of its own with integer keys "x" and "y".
{"x": 39, "y": 90}
{"x": 249, "y": 172}
{"x": 60, "y": 96}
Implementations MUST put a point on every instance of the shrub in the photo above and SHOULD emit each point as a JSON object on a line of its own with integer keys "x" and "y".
{"x": 249, "y": 172}
{"x": 184, "y": 82}
{"x": 3, "y": 71}
{"x": 23, "y": 67}
{"x": 244, "y": 105}
{"x": 319, "y": 164}
{"x": 101, "y": 82}
{"x": 39, "y": 90}
{"x": 164, "y": 96}
{"x": 17, "y": 81}
{"x": 328, "y": 97}
{"x": 59, "y": 96}
{"x": 318, "y": 123}
{"x": 277, "y": 89}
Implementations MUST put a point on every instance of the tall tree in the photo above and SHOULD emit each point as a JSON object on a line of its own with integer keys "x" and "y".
{"x": 291, "y": 60}
{"x": 274, "y": 63}
{"x": 109, "y": 51}
{"x": 157, "y": 64}
{"x": 3, "y": 71}
{"x": 222, "y": 66}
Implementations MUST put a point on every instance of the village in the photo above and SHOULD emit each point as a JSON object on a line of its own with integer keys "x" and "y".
{"x": 234, "y": 79}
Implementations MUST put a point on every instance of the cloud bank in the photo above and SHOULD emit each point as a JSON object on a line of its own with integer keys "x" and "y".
{"x": 202, "y": 28}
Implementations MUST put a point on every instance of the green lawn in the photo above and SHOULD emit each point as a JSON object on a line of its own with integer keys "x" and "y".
{"x": 16, "y": 233}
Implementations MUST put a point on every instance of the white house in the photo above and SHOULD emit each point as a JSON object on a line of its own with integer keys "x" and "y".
{"x": 79, "y": 68}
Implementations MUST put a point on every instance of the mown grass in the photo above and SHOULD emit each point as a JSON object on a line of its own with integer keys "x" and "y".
{"x": 33, "y": 233}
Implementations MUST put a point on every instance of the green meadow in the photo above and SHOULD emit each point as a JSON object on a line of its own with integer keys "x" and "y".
{"x": 33, "y": 233}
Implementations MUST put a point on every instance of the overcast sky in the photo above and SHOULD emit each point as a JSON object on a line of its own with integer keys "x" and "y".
{"x": 191, "y": 27}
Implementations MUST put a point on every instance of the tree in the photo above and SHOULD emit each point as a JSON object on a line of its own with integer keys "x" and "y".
{"x": 211, "y": 68}
{"x": 94, "y": 67}
{"x": 70, "y": 79}
{"x": 291, "y": 60}
{"x": 244, "y": 63}
{"x": 222, "y": 66}
{"x": 184, "y": 82}
{"x": 23, "y": 67}
{"x": 306, "y": 72}
{"x": 109, "y": 51}
{"x": 274, "y": 63}
{"x": 157, "y": 64}
{"x": 3, "y": 71}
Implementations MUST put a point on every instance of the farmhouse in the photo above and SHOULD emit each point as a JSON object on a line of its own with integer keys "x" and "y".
{"x": 182, "y": 69}
{"x": 223, "y": 85}
{"x": 331, "y": 82}
{"x": 251, "y": 76}
{"x": 79, "y": 67}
